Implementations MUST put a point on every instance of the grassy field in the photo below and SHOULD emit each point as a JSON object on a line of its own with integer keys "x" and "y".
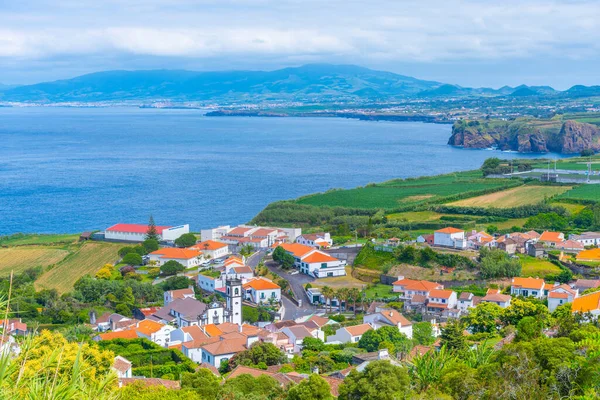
{"x": 431, "y": 274}
{"x": 20, "y": 239}
{"x": 536, "y": 267}
{"x": 583, "y": 192}
{"x": 337, "y": 282}
{"x": 369, "y": 258}
{"x": 396, "y": 193}
{"x": 20, "y": 258}
{"x": 432, "y": 216}
{"x": 515, "y": 197}
{"x": 381, "y": 291}
{"x": 572, "y": 208}
{"x": 85, "y": 259}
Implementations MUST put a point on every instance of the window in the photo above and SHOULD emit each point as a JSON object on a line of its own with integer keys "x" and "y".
{"x": 324, "y": 265}
{"x": 443, "y": 300}
{"x": 237, "y": 291}
{"x": 262, "y": 295}
{"x": 273, "y": 294}
{"x": 330, "y": 274}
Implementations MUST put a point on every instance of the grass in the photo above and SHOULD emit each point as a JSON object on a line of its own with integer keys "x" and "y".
{"x": 20, "y": 258}
{"x": 430, "y": 274}
{"x": 515, "y": 197}
{"x": 337, "y": 282}
{"x": 369, "y": 258}
{"x": 537, "y": 267}
{"x": 19, "y": 239}
{"x": 381, "y": 291}
{"x": 395, "y": 193}
{"x": 583, "y": 192}
{"x": 570, "y": 207}
{"x": 85, "y": 259}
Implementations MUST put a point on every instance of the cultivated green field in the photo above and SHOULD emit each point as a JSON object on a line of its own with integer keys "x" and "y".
{"x": 19, "y": 239}
{"x": 397, "y": 193}
{"x": 514, "y": 197}
{"x": 85, "y": 259}
{"x": 583, "y": 192}
{"x": 536, "y": 267}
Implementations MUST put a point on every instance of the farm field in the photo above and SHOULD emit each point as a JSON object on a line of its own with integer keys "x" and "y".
{"x": 570, "y": 207}
{"x": 20, "y": 239}
{"x": 515, "y": 197}
{"x": 431, "y": 274}
{"x": 583, "y": 192}
{"x": 87, "y": 259}
{"x": 20, "y": 258}
{"x": 397, "y": 193}
{"x": 537, "y": 267}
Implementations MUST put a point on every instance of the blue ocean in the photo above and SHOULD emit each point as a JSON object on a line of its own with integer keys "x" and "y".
{"x": 76, "y": 169}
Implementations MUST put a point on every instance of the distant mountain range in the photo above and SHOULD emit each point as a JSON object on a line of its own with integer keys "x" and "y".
{"x": 313, "y": 82}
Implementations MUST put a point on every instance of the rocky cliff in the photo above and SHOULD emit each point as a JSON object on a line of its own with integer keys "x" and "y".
{"x": 527, "y": 136}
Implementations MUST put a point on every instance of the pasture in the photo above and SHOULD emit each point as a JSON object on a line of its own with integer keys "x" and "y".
{"x": 398, "y": 193}
{"x": 537, "y": 267}
{"x": 514, "y": 197}
{"x": 19, "y": 239}
{"x": 85, "y": 259}
{"x": 583, "y": 192}
{"x": 20, "y": 258}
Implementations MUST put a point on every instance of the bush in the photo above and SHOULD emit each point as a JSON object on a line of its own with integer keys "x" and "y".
{"x": 186, "y": 240}
{"x": 171, "y": 267}
{"x": 132, "y": 259}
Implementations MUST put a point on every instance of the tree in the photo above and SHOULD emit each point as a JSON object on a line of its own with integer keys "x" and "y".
{"x": 328, "y": 294}
{"x": 247, "y": 250}
{"x": 105, "y": 272}
{"x": 171, "y": 267}
{"x": 496, "y": 263}
{"x": 521, "y": 308}
{"x": 354, "y": 295}
{"x": 313, "y": 388}
{"x": 203, "y": 382}
{"x": 246, "y": 385}
{"x": 186, "y": 240}
{"x": 132, "y": 259}
{"x": 372, "y": 339}
{"x": 150, "y": 245}
{"x": 176, "y": 282}
{"x": 312, "y": 344}
{"x": 342, "y": 295}
{"x": 482, "y": 318}
{"x": 528, "y": 328}
{"x": 151, "y": 233}
{"x": 283, "y": 258}
{"x": 491, "y": 229}
{"x": 423, "y": 333}
{"x": 123, "y": 251}
{"x": 453, "y": 337}
{"x": 380, "y": 380}
{"x": 257, "y": 353}
{"x": 249, "y": 314}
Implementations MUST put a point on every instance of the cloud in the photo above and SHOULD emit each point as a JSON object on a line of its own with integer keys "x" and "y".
{"x": 214, "y": 31}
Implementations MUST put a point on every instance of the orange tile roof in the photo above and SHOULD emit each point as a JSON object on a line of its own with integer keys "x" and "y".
{"x": 181, "y": 293}
{"x": 449, "y": 230}
{"x": 261, "y": 284}
{"x": 588, "y": 302}
{"x": 528, "y": 283}
{"x": 195, "y": 332}
{"x": 228, "y": 346}
{"x": 589, "y": 255}
{"x": 410, "y": 284}
{"x": 297, "y": 249}
{"x": 395, "y": 317}
{"x": 558, "y": 295}
{"x": 212, "y": 330}
{"x": 357, "y": 330}
{"x": 554, "y": 237}
{"x": 148, "y": 327}
{"x": 318, "y": 257}
{"x": 208, "y": 245}
{"x": 173, "y": 252}
{"x": 440, "y": 293}
{"x": 124, "y": 334}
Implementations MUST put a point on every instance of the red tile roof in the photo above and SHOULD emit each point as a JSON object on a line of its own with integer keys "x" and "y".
{"x": 173, "y": 252}
{"x": 135, "y": 228}
{"x": 554, "y": 237}
{"x": 357, "y": 330}
{"x": 409, "y": 284}
{"x": 528, "y": 283}
{"x": 440, "y": 294}
{"x": 208, "y": 245}
{"x": 261, "y": 284}
{"x": 449, "y": 230}
{"x": 318, "y": 257}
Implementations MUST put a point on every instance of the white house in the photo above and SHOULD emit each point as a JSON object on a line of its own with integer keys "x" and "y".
{"x": 186, "y": 257}
{"x": 137, "y": 232}
{"x": 316, "y": 240}
{"x": 349, "y": 334}
{"x": 223, "y": 349}
{"x": 314, "y": 262}
{"x": 588, "y": 303}
{"x": 528, "y": 287}
{"x": 407, "y": 288}
{"x": 155, "y": 332}
{"x": 450, "y": 237}
{"x": 390, "y": 318}
{"x": 171, "y": 295}
{"x": 209, "y": 283}
{"x": 559, "y": 295}
{"x": 122, "y": 367}
{"x": 494, "y": 296}
{"x": 440, "y": 300}
{"x": 211, "y": 249}
{"x": 466, "y": 300}
{"x": 587, "y": 238}
{"x": 262, "y": 290}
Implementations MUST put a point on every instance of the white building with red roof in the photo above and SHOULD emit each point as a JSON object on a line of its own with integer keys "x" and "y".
{"x": 349, "y": 334}
{"x": 261, "y": 290}
{"x": 211, "y": 249}
{"x": 313, "y": 262}
{"x": 407, "y": 288}
{"x": 441, "y": 299}
{"x": 527, "y": 287}
{"x": 450, "y": 237}
{"x": 390, "y": 317}
{"x": 320, "y": 240}
{"x": 138, "y": 232}
{"x": 186, "y": 257}
{"x": 494, "y": 296}
{"x": 561, "y": 294}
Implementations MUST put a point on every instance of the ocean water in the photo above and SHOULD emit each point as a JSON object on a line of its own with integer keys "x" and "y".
{"x": 75, "y": 169}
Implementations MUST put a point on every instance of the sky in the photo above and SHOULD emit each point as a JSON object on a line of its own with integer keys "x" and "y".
{"x": 478, "y": 43}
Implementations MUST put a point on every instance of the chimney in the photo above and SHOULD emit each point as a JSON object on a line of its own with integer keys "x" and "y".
{"x": 383, "y": 354}
{"x": 240, "y": 328}
{"x": 391, "y": 313}
{"x": 400, "y": 277}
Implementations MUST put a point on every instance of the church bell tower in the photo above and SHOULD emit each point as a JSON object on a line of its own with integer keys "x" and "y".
{"x": 234, "y": 299}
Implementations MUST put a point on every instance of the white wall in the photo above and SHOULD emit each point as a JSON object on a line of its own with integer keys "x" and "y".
{"x": 173, "y": 233}
{"x": 448, "y": 239}
{"x": 127, "y": 236}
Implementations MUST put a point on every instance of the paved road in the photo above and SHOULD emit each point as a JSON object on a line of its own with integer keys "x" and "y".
{"x": 254, "y": 259}
{"x": 297, "y": 282}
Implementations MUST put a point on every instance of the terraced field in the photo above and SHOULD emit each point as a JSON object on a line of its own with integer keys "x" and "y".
{"x": 515, "y": 197}
{"x": 396, "y": 193}
{"x": 86, "y": 259}
{"x": 20, "y": 258}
